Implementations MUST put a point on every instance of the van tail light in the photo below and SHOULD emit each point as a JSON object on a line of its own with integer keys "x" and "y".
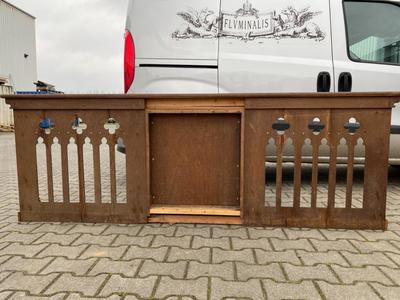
{"x": 129, "y": 61}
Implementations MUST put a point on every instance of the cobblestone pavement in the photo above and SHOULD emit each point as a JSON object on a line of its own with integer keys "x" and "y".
{"x": 86, "y": 261}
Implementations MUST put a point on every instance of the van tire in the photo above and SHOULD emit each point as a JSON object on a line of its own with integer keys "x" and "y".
{"x": 121, "y": 149}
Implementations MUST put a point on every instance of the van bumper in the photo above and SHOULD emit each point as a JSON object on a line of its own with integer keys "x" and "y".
{"x": 395, "y": 129}
{"x": 394, "y": 157}
{"x": 121, "y": 149}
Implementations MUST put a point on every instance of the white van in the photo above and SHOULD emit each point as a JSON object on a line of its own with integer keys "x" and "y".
{"x": 253, "y": 46}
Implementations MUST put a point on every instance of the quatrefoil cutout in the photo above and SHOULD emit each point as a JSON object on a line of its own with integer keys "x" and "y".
{"x": 47, "y": 125}
{"x": 111, "y": 125}
{"x": 352, "y": 126}
{"x": 316, "y": 126}
{"x": 280, "y": 126}
{"x": 79, "y": 126}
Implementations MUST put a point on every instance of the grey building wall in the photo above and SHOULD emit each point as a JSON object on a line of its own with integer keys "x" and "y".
{"x": 17, "y": 47}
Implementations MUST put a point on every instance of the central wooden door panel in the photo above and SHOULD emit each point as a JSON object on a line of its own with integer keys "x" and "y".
{"x": 195, "y": 159}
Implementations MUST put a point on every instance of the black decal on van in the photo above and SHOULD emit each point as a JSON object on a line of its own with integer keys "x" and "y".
{"x": 247, "y": 23}
{"x": 203, "y": 24}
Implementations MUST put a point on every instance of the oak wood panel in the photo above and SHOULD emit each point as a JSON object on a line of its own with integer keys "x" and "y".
{"x": 195, "y": 159}
{"x": 189, "y": 104}
{"x": 258, "y": 131}
{"x": 195, "y": 210}
{"x": 134, "y": 135}
{"x": 322, "y": 102}
{"x": 26, "y": 140}
{"x": 133, "y": 132}
{"x": 195, "y": 220}
{"x": 66, "y": 103}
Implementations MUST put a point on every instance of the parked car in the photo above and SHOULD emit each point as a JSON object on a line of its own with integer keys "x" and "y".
{"x": 246, "y": 46}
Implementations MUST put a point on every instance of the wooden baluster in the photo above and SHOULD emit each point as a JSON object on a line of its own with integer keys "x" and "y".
{"x": 332, "y": 172}
{"x": 81, "y": 176}
{"x": 350, "y": 171}
{"x": 48, "y": 140}
{"x": 113, "y": 176}
{"x": 279, "y": 157}
{"x": 96, "y": 170}
{"x": 298, "y": 144}
{"x": 314, "y": 180}
{"x": 64, "y": 165}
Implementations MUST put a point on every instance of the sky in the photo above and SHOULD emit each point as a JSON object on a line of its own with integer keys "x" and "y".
{"x": 79, "y": 43}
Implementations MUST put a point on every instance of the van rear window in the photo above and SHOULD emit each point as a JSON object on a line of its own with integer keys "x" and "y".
{"x": 373, "y": 31}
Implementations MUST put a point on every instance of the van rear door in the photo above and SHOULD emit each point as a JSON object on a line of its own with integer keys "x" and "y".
{"x": 275, "y": 46}
{"x": 176, "y": 43}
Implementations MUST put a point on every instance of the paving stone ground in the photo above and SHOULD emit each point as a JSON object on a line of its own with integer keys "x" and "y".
{"x": 182, "y": 262}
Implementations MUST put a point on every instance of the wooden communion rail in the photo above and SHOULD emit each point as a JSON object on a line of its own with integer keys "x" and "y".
{"x": 199, "y": 158}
